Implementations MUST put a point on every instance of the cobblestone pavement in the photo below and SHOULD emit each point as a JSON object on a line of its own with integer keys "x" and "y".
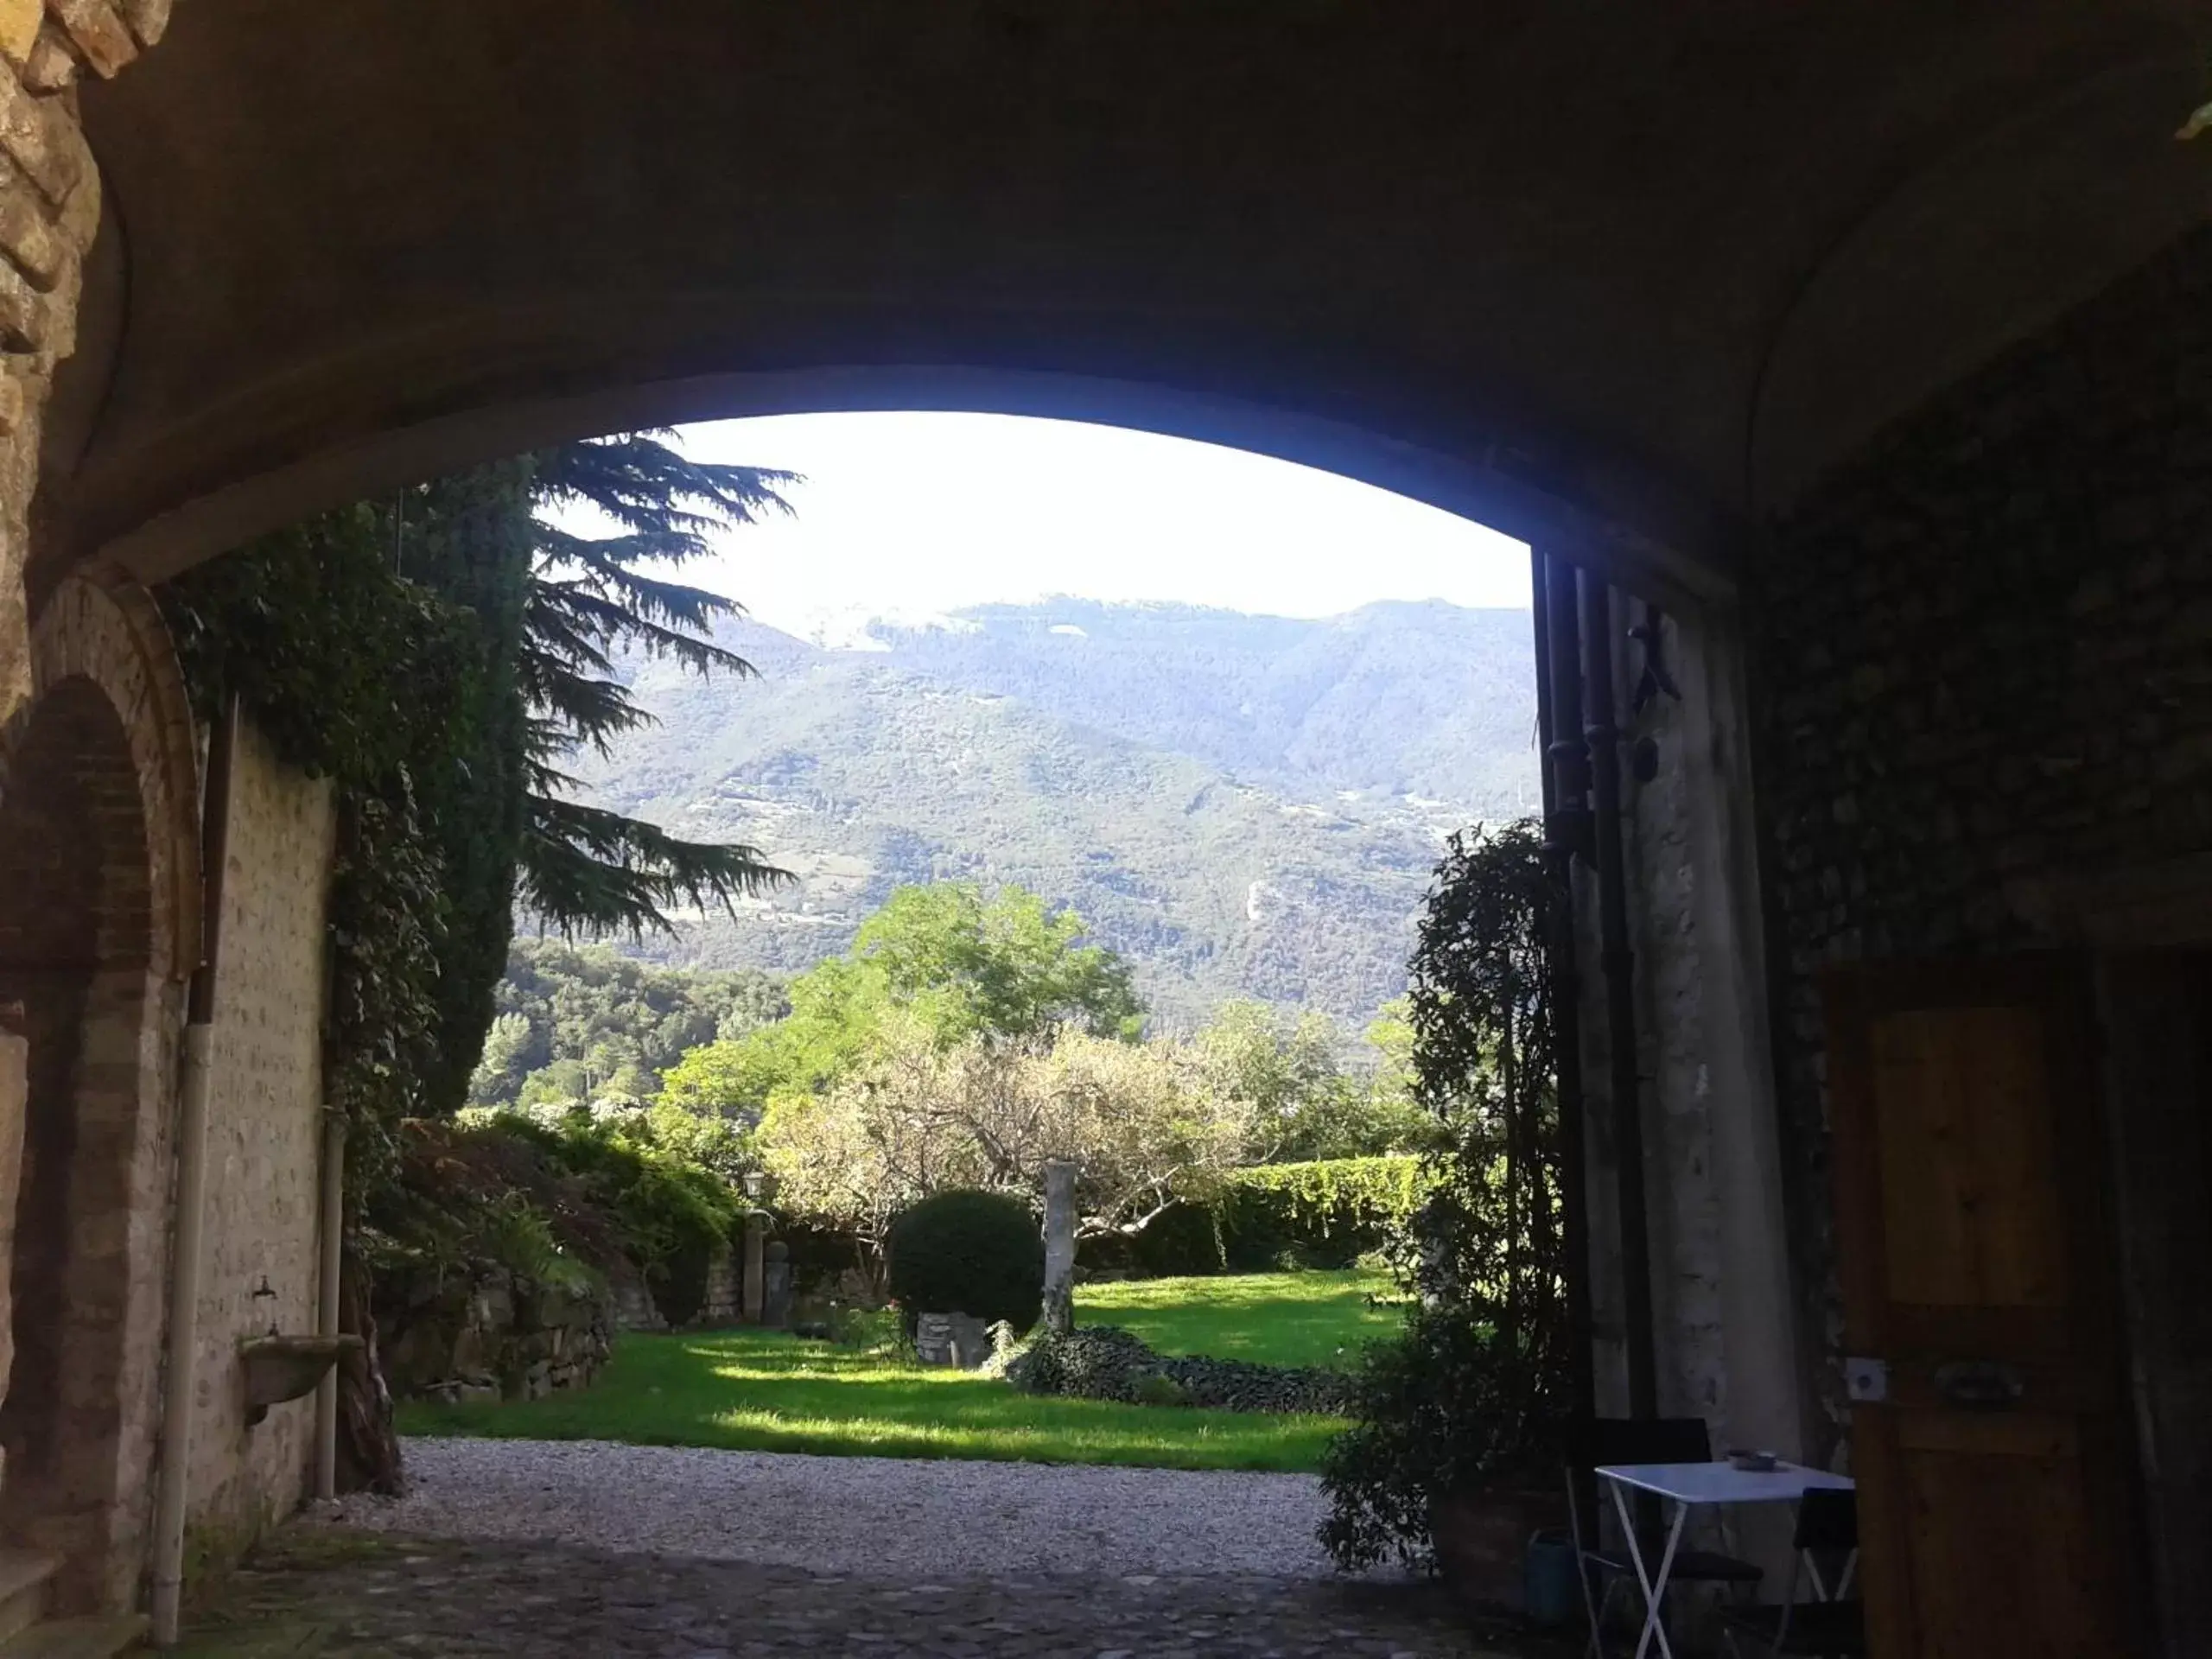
{"x": 333, "y": 1591}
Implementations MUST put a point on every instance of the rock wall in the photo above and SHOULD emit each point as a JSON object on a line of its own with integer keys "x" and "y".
{"x": 1982, "y": 672}
{"x": 265, "y": 1131}
{"x": 455, "y": 1333}
{"x": 50, "y": 212}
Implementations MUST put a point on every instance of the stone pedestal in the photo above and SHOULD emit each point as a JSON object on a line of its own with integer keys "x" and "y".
{"x": 951, "y": 1340}
{"x": 756, "y": 1242}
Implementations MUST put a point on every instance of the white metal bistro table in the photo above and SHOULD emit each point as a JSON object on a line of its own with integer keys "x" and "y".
{"x": 1688, "y": 1486}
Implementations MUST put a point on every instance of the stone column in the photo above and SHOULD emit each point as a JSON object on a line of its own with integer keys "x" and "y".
{"x": 756, "y": 1244}
{"x": 1059, "y": 1247}
{"x": 776, "y": 1287}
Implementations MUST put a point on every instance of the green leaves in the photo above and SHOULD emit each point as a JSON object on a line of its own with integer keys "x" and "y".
{"x": 1005, "y": 969}
{"x": 1472, "y": 1391}
{"x": 591, "y": 870}
{"x": 583, "y": 870}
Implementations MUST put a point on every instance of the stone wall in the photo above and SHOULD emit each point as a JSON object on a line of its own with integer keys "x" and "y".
{"x": 1720, "y": 1294}
{"x": 453, "y": 1333}
{"x": 264, "y": 1133}
{"x": 1982, "y": 665}
{"x": 50, "y": 212}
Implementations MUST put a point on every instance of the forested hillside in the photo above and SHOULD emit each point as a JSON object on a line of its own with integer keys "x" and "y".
{"x": 1241, "y": 806}
{"x": 580, "y": 1024}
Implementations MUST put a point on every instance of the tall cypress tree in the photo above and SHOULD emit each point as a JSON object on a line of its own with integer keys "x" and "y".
{"x": 585, "y": 869}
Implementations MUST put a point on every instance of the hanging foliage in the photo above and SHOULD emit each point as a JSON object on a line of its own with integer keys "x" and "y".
{"x": 378, "y": 647}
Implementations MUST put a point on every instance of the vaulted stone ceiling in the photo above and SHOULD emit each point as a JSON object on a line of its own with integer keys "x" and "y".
{"x": 1662, "y": 264}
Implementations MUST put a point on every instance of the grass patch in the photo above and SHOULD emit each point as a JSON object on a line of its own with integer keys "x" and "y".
{"x": 759, "y": 1391}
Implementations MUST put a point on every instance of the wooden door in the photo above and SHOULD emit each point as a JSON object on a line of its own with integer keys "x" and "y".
{"x": 1981, "y": 1296}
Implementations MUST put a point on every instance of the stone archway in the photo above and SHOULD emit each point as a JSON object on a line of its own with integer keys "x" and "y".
{"x": 96, "y": 807}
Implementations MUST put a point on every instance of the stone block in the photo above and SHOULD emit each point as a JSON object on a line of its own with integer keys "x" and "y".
{"x": 52, "y": 65}
{"x": 39, "y": 135}
{"x": 19, "y": 27}
{"x": 99, "y": 31}
{"x": 22, "y": 313}
{"x": 26, "y": 237}
{"x": 954, "y": 1339}
{"x": 149, "y": 19}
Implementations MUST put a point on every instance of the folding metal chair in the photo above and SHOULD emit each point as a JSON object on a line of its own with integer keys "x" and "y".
{"x": 1595, "y": 1442}
{"x": 1828, "y": 1524}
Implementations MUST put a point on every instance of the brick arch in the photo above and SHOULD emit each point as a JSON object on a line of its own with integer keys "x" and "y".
{"x": 97, "y": 788}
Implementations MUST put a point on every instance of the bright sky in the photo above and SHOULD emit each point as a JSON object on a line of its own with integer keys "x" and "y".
{"x": 919, "y": 513}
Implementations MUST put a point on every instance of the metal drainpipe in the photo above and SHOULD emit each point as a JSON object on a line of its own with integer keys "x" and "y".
{"x": 174, "y": 1484}
{"x": 1619, "y": 962}
{"x": 326, "y": 1312}
{"x": 1566, "y": 826}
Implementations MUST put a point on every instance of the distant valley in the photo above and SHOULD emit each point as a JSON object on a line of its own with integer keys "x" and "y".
{"x": 1241, "y": 805}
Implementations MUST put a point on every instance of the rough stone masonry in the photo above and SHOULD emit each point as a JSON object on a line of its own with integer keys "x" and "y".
{"x": 1983, "y": 673}
{"x": 50, "y": 212}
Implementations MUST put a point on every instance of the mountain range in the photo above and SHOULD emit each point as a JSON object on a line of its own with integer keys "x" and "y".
{"x": 1242, "y": 804}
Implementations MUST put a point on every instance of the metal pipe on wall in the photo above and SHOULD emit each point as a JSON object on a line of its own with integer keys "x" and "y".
{"x": 1566, "y": 816}
{"x": 325, "y": 1311}
{"x": 173, "y": 1488}
{"x": 1602, "y": 732}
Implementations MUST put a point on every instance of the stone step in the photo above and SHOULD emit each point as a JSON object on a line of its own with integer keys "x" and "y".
{"x": 77, "y": 1638}
{"x": 25, "y": 1579}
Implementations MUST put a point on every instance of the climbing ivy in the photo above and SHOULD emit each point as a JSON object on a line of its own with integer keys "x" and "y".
{"x": 376, "y": 646}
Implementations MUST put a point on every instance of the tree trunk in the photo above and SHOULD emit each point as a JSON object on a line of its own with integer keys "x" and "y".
{"x": 368, "y": 1447}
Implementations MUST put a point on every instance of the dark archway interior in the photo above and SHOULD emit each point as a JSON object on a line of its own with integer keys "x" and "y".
{"x": 1665, "y": 263}
{"x": 73, "y": 967}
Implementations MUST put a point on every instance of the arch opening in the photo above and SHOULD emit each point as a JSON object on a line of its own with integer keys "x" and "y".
{"x": 74, "y": 978}
{"x": 1651, "y": 539}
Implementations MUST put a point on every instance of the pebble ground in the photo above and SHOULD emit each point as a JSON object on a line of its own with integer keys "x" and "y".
{"x": 514, "y": 1548}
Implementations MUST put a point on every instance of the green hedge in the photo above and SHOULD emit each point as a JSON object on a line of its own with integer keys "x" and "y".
{"x": 1318, "y": 1215}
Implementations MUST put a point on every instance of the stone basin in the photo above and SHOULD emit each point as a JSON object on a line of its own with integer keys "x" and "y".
{"x": 278, "y": 1368}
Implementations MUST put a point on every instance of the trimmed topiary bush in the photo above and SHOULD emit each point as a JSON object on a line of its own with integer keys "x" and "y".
{"x": 980, "y": 1254}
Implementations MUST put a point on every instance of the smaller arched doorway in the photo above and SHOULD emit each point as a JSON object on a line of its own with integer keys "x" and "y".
{"x": 89, "y": 875}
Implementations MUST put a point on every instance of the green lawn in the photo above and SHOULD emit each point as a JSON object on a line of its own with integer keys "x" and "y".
{"x": 754, "y": 1391}
{"x": 1271, "y": 1319}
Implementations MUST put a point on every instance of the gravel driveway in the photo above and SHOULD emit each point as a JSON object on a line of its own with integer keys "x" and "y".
{"x": 883, "y": 1516}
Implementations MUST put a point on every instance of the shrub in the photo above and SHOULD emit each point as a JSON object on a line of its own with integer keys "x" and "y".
{"x": 1324, "y": 1214}
{"x": 974, "y": 1252}
{"x": 1448, "y": 1406}
{"x": 1472, "y": 1393}
{"x": 664, "y": 1214}
{"x": 1103, "y": 1362}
